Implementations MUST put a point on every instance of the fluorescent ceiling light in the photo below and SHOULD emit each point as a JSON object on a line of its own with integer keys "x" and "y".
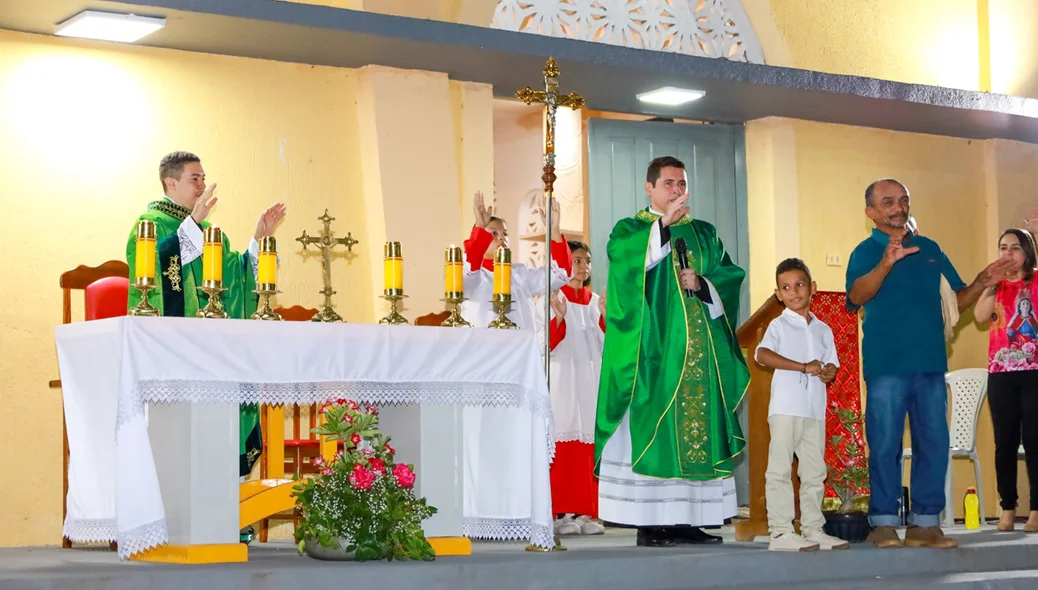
{"x": 670, "y": 96}
{"x": 109, "y": 26}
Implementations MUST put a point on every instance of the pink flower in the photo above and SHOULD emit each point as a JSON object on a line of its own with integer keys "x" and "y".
{"x": 326, "y": 471}
{"x": 404, "y": 476}
{"x": 390, "y": 449}
{"x": 357, "y": 466}
{"x": 353, "y": 405}
{"x": 1028, "y": 347}
{"x": 377, "y": 465}
{"x": 997, "y": 366}
{"x": 355, "y": 439}
{"x": 318, "y": 461}
{"x": 362, "y": 479}
{"x": 347, "y": 418}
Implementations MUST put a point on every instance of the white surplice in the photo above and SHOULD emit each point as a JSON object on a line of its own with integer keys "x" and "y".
{"x": 626, "y": 497}
{"x": 493, "y": 465}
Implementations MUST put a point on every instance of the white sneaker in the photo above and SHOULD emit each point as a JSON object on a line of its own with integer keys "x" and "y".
{"x": 791, "y": 542}
{"x": 567, "y": 526}
{"x": 826, "y": 542}
{"x": 589, "y": 526}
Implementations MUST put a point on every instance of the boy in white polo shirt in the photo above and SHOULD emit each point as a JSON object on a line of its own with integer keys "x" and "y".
{"x": 801, "y": 350}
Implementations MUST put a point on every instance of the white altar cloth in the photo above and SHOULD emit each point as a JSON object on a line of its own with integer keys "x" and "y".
{"x": 110, "y": 368}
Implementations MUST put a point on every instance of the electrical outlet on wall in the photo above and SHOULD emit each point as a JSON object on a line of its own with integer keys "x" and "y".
{"x": 832, "y": 260}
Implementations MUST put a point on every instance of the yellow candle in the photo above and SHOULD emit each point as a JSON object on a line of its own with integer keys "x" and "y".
{"x": 503, "y": 271}
{"x": 393, "y": 264}
{"x": 452, "y": 271}
{"x": 212, "y": 254}
{"x": 144, "y": 265}
{"x": 268, "y": 261}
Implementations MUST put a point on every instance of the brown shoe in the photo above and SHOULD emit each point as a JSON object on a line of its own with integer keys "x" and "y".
{"x": 928, "y": 536}
{"x": 885, "y": 537}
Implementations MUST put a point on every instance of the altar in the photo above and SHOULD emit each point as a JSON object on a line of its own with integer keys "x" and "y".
{"x": 139, "y": 482}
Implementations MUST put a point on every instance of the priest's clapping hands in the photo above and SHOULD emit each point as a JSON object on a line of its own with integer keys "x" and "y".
{"x": 269, "y": 221}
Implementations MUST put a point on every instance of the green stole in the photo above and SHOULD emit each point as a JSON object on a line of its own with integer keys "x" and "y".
{"x": 680, "y": 373}
{"x": 178, "y": 296}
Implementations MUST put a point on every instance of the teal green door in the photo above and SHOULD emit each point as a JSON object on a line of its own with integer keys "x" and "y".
{"x": 714, "y": 157}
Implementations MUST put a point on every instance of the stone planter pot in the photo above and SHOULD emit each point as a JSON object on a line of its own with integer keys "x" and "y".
{"x": 316, "y": 551}
{"x": 852, "y": 527}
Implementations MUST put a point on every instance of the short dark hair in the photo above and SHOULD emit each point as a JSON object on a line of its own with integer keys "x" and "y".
{"x": 792, "y": 264}
{"x": 657, "y": 166}
{"x": 574, "y": 245}
{"x": 872, "y": 188}
{"x": 1027, "y": 244}
{"x": 172, "y": 166}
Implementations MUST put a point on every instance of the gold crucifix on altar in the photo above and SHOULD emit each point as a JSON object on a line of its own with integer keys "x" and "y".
{"x": 551, "y": 100}
{"x": 327, "y": 242}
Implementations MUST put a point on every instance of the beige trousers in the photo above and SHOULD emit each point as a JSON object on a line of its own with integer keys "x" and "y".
{"x": 805, "y": 438}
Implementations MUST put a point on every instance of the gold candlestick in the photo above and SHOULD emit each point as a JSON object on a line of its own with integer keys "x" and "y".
{"x": 267, "y": 284}
{"x": 144, "y": 280}
{"x": 454, "y": 286}
{"x": 212, "y": 265}
{"x": 455, "y": 320}
{"x": 393, "y": 264}
{"x": 502, "y": 298}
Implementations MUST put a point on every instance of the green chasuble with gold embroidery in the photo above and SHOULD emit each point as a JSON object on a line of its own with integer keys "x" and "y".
{"x": 178, "y": 295}
{"x": 680, "y": 373}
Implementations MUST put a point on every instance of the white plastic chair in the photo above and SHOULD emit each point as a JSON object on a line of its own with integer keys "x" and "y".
{"x": 968, "y": 389}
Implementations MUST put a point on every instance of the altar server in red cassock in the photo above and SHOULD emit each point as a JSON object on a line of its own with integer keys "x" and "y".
{"x": 577, "y": 335}
{"x": 489, "y": 233}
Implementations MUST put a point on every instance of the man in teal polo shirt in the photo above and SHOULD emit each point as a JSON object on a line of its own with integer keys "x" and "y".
{"x": 896, "y": 277}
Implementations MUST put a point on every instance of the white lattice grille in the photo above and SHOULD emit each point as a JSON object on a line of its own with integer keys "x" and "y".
{"x": 968, "y": 388}
{"x": 707, "y": 28}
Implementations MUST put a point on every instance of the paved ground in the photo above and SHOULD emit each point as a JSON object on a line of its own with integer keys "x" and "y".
{"x": 985, "y": 559}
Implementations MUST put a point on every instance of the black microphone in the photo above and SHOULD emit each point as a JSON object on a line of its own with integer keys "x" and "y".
{"x": 682, "y": 249}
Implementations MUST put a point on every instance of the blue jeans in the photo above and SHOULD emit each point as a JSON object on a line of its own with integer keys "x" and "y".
{"x": 924, "y": 398}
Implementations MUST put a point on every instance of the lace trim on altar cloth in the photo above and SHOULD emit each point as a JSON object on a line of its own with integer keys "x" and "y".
{"x": 142, "y": 538}
{"x": 584, "y": 437}
{"x": 509, "y": 529}
{"x": 509, "y": 395}
{"x": 87, "y": 530}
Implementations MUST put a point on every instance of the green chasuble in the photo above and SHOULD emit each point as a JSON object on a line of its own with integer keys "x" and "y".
{"x": 178, "y": 295}
{"x": 680, "y": 373}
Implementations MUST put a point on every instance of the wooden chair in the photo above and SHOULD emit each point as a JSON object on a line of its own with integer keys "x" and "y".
{"x": 79, "y": 279}
{"x": 300, "y": 450}
{"x": 432, "y": 319}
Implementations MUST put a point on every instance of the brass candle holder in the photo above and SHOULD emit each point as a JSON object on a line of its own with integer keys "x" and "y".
{"x": 454, "y": 294}
{"x": 267, "y": 286}
{"x": 394, "y": 288}
{"x": 502, "y": 298}
{"x": 213, "y": 288}
{"x": 146, "y": 250}
{"x": 502, "y": 305}
{"x": 455, "y": 320}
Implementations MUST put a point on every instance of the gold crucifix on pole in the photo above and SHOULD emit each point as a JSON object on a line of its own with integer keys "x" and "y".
{"x": 551, "y": 100}
{"x": 327, "y": 242}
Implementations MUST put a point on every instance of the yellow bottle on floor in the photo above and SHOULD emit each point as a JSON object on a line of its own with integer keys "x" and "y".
{"x": 971, "y": 506}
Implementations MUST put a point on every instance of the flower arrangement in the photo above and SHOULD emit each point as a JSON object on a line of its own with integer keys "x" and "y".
{"x": 361, "y": 497}
{"x": 849, "y": 477}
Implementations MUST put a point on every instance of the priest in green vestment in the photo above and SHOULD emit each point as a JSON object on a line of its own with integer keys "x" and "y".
{"x": 666, "y": 431}
{"x": 179, "y": 218}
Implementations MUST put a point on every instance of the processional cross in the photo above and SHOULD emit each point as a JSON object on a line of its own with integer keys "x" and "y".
{"x": 551, "y": 100}
{"x": 327, "y": 242}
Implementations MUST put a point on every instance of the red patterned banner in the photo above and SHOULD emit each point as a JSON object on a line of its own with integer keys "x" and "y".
{"x": 845, "y": 441}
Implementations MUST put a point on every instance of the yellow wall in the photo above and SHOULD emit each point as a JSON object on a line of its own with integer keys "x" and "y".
{"x": 82, "y": 128}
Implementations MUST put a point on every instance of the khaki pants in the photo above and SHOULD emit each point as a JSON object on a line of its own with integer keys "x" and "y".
{"x": 805, "y": 438}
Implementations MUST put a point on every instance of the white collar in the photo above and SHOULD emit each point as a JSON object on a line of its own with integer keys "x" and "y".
{"x": 794, "y": 315}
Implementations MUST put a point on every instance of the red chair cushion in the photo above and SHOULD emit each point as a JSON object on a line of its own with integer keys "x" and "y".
{"x": 106, "y": 298}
